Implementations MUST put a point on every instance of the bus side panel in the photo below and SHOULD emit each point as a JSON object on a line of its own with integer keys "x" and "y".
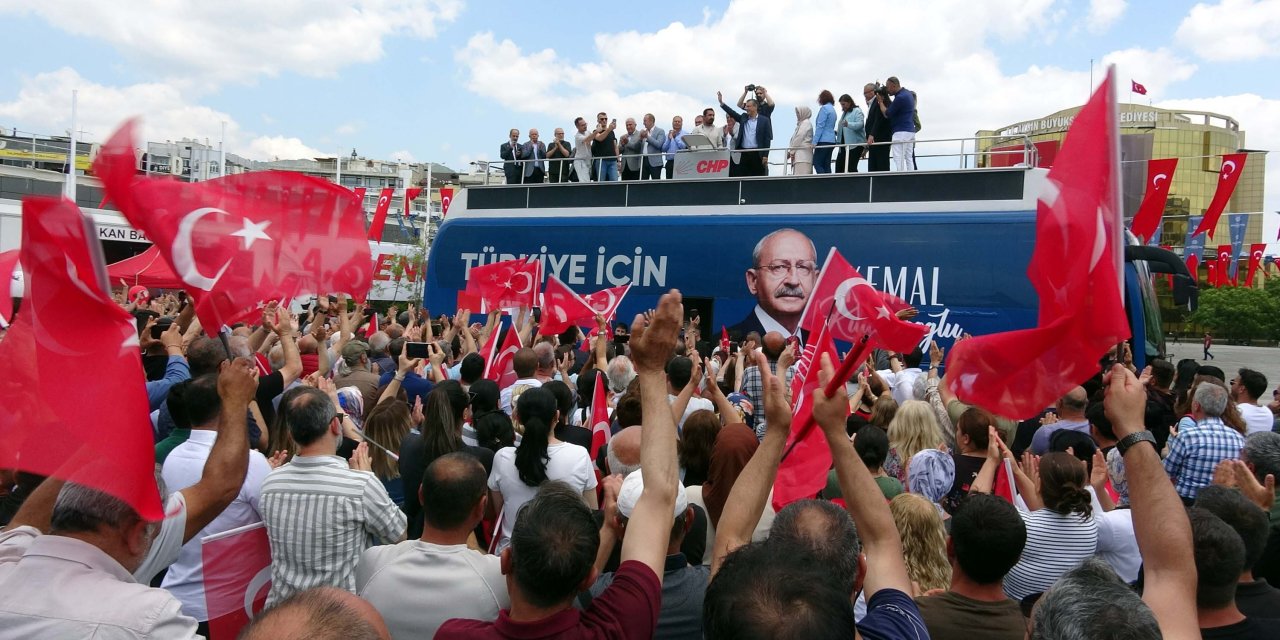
{"x": 966, "y": 272}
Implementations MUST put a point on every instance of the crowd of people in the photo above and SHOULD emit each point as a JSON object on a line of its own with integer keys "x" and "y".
{"x": 885, "y": 134}
{"x": 410, "y": 497}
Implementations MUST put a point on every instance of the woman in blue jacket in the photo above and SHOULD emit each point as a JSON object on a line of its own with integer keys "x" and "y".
{"x": 851, "y": 135}
{"x": 824, "y": 133}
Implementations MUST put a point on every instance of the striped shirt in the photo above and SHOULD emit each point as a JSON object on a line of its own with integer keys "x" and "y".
{"x": 320, "y": 516}
{"x": 1056, "y": 544}
{"x": 1196, "y": 452}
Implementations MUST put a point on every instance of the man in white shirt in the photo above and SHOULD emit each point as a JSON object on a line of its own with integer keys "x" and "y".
{"x": 902, "y": 374}
{"x": 183, "y": 468}
{"x": 525, "y": 364}
{"x": 680, "y": 376}
{"x": 465, "y": 583}
{"x": 581, "y": 151}
{"x": 1246, "y": 388}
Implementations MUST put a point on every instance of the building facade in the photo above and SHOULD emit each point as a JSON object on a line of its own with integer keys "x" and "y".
{"x": 1197, "y": 139}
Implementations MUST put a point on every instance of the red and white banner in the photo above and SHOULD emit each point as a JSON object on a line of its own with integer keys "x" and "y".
{"x": 1228, "y": 176}
{"x": 1256, "y": 252}
{"x": 446, "y": 198}
{"x": 409, "y": 195}
{"x": 380, "y": 215}
{"x": 510, "y": 283}
{"x": 1151, "y": 212}
{"x": 846, "y": 302}
{"x": 237, "y": 578}
{"x": 605, "y": 301}
{"x": 562, "y": 308}
{"x": 601, "y": 430}
{"x": 500, "y": 357}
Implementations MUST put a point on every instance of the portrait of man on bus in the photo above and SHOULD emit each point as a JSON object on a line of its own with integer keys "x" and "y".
{"x": 783, "y": 271}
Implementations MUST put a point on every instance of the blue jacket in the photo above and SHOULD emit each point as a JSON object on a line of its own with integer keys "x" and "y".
{"x": 764, "y": 129}
{"x": 852, "y": 127}
{"x": 824, "y": 126}
{"x": 902, "y": 111}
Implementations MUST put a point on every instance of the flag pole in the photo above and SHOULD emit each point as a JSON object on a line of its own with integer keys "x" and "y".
{"x": 222, "y": 151}
{"x": 69, "y": 187}
{"x": 1117, "y": 215}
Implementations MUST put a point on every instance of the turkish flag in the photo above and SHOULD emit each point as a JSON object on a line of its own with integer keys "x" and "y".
{"x": 372, "y": 327}
{"x": 562, "y": 308}
{"x": 1074, "y": 269}
{"x": 1193, "y": 268}
{"x": 1228, "y": 176}
{"x": 470, "y": 302}
{"x": 237, "y": 578}
{"x": 500, "y": 356}
{"x": 1255, "y": 260}
{"x": 1005, "y": 486}
{"x": 73, "y": 396}
{"x": 380, "y": 215}
{"x": 803, "y": 471}
{"x": 1159, "y": 176}
{"x": 1224, "y": 264}
{"x": 360, "y": 191}
{"x": 606, "y": 301}
{"x": 446, "y": 198}
{"x": 601, "y": 429}
{"x": 510, "y": 283}
{"x": 8, "y": 265}
{"x": 1212, "y": 266}
{"x": 724, "y": 340}
{"x": 845, "y": 301}
{"x": 243, "y": 239}
{"x": 409, "y": 195}
{"x": 1138, "y": 89}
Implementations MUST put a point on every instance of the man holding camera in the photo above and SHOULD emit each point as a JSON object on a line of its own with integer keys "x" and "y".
{"x": 878, "y": 129}
{"x": 604, "y": 149}
{"x": 901, "y": 114}
{"x": 763, "y": 100}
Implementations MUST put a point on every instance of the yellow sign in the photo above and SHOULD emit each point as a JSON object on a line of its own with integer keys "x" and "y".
{"x": 82, "y": 161}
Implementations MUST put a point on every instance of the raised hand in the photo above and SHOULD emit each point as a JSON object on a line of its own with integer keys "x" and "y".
{"x": 654, "y": 335}
{"x": 278, "y": 459}
{"x": 360, "y": 460}
{"x": 1125, "y": 402}
{"x": 237, "y": 381}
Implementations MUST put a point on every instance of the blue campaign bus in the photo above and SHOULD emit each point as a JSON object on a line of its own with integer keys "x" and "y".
{"x": 954, "y": 244}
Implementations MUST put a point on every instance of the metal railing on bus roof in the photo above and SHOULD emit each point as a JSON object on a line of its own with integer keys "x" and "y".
{"x": 999, "y": 146}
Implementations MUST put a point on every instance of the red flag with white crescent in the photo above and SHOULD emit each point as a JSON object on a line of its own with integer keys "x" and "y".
{"x": 1159, "y": 176}
{"x": 803, "y": 472}
{"x": 852, "y": 307}
{"x": 237, "y": 578}
{"x": 500, "y": 356}
{"x": 379, "y": 221}
{"x": 1212, "y": 267}
{"x": 601, "y": 427}
{"x": 510, "y": 283}
{"x": 724, "y": 340}
{"x": 1228, "y": 176}
{"x": 1256, "y": 251}
{"x": 360, "y": 191}
{"x": 8, "y": 266}
{"x": 372, "y": 328}
{"x": 606, "y": 301}
{"x": 70, "y": 335}
{"x": 562, "y": 308}
{"x": 1224, "y": 265}
{"x": 1074, "y": 269}
{"x": 240, "y": 240}
{"x": 446, "y": 198}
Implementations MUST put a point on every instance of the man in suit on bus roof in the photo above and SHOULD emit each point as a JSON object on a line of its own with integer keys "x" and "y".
{"x": 783, "y": 271}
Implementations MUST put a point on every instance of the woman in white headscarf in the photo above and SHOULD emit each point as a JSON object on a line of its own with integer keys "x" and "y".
{"x": 800, "y": 152}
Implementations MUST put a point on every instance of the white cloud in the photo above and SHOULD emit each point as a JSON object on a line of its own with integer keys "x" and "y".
{"x": 1154, "y": 70}
{"x": 348, "y": 128}
{"x": 1232, "y": 30}
{"x": 402, "y": 155}
{"x": 242, "y": 40}
{"x": 43, "y": 105}
{"x": 1104, "y": 13}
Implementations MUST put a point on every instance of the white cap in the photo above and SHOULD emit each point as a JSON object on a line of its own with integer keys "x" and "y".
{"x": 633, "y": 486}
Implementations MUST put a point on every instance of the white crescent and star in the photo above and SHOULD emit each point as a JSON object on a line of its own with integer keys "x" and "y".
{"x": 184, "y": 260}
{"x": 528, "y": 282}
{"x": 842, "y": 295}
{"x": 252, "y": 231}
{"x": 613, "y": 300}
{"x": 1225, "y": 171}
{"x": 1155, "y": 182}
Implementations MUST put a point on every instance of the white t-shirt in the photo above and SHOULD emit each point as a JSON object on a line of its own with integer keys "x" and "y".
{"x": 569, "y": 463}
{"x": 1256, "y": 418}
{"x": 505, "y": 397}
{"x": 1117, "y": 543}
{"x": 183, "y": 468}
{"x": 695, "y": 404}
{"x": 394, "y": 578}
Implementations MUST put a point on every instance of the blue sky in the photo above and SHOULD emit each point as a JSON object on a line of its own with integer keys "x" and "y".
{"x": 443, "y": 80}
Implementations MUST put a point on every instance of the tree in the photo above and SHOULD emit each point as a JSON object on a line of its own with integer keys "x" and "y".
{"x": 1239, "y": 313}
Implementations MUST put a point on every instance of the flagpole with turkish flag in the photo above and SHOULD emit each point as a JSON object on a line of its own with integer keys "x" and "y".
{"x": 243, "y": 239}
{"x": 1076, "y": 269}
{"x": 562, "y": 308}
{"x": 237, "y": 578}
{"x": 601, "y": 427}
{"x": 853, "y": 308}
{"x": 446, "y": 198}
{"x": 606, "y": 301}
{"x": 379, "y": 221}
{"x": 1228, "y": 176}
{"x": 1150, "y": 213}
{"x": 71, "y": 336}
{"x": 509, "y": 283}
{"x": 807, "y": 457}
{"x": 1224, "y": 265}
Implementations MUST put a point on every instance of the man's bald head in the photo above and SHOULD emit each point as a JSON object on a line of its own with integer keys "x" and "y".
{"x": 323, "y": 613}
{"x": 773, "y": 345}
{"x": 1073, "y": 404}
{"x": 624, "y": 451}
{"x": 308, "y": 344}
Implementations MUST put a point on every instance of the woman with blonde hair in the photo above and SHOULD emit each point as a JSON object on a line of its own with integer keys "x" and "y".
{"x": 386, "y": 425}
{"x": 913, "y": 429}
{"x": 924, "y": 543}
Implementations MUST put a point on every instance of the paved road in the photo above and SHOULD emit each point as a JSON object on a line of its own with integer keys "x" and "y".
{"x": 1231, "y": 358}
